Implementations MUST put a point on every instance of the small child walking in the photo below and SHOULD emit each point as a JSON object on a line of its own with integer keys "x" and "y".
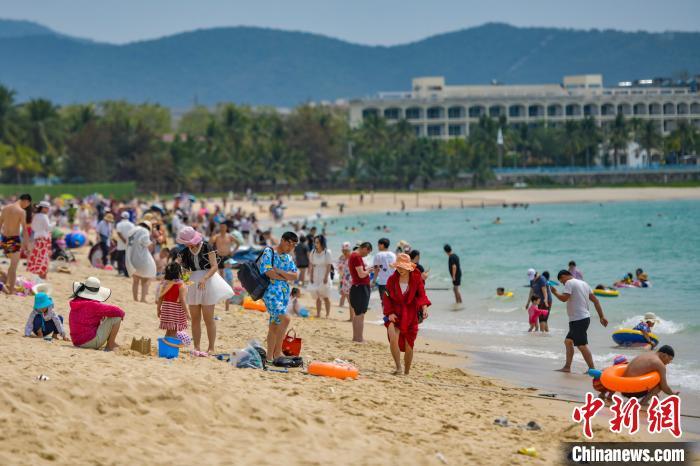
{"x": 294, "y": 307}
{"x": 534, "y": 312}
{"x": 172, "y": 301}
{"x": 43, "y": 320}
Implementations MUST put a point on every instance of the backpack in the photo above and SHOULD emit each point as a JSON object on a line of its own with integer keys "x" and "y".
{"x": 288, "y": 361}
{"x": 254, "y": 282}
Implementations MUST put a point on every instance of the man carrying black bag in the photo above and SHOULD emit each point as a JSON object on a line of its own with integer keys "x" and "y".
{"x": 275, "y": 270}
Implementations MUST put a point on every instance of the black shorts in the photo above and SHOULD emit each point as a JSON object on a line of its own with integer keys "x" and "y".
{"x": 577, "y": 331}
{"x": 223, "y": 259}
{"x": 359, "y": 298}
{"x": 545, "y": 318}
{"x": 457, "y": 282}
{"x": 381, "y": 289}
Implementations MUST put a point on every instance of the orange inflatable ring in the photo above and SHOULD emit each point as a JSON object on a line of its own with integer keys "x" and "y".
{"x": 612, "y": 379}
{"x": 331, "y": 369}
{"x": 258, "y": 305}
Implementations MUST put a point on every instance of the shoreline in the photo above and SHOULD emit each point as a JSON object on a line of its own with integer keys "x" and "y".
{"x": 382, "y": 202}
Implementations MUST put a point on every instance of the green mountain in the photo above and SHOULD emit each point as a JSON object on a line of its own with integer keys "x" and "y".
{"x": 19, "y": 28}
{"x": 272, "y": 67}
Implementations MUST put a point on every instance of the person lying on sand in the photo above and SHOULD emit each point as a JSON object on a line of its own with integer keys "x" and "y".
{"x": 650, "y": 362}
{"x": 93, "y": 324}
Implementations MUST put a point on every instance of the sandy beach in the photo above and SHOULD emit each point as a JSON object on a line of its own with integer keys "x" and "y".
{"x": 389, "y": 201}
{"x": 127, "y": 408}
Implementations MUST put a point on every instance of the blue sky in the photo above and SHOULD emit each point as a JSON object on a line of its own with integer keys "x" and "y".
{"x": 363, "y": 21}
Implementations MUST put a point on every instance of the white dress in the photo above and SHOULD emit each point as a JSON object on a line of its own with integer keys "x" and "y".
{"x": 215, "y": 290}
{"x": 139, "y": 260}
{"x": 320, "y": 262}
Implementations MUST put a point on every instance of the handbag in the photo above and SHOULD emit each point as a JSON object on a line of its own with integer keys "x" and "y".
{"x": 254, "y": 282}
{"x": 291, "y": 345}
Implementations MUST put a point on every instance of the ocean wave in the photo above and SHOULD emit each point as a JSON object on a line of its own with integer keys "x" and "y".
{"x": 503, "y": 310}
{"x": 662, "y": 327}
{"x": 485, "y": 327}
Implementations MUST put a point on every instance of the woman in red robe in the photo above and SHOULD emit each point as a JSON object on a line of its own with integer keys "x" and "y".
{"x": 405, "y": 306}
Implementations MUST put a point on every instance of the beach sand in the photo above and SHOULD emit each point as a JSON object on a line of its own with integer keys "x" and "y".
{"x": 126, "y": 408}
{"x": 296, "y": 206}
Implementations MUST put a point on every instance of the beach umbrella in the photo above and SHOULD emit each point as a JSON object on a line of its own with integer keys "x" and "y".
{"x": 66, "y": 196}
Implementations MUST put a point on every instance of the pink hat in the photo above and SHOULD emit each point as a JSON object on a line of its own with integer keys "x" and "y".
{"x": 189, "y": 236}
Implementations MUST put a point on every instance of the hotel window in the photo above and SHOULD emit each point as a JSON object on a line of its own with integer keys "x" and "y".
{"x": 434, "y": 113}
{"x": 413, "y": 113}
{"x": 435, "y": 130}
{"x": 455, "y": 130}
{"x": 455, "y": 112}
{"x": 369, "y": 113}
{"x": 476, "y": 111}
{"x": 391, "y": 113}
{"x": 416, "y": 130}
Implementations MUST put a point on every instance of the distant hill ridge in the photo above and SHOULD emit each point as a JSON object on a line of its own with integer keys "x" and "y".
{"x": 272, "y": 67}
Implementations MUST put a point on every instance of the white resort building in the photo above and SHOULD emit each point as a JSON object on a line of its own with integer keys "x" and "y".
{"x": 435, "y": 109}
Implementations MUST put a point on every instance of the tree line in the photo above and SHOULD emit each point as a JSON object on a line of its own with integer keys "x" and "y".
{"x": 233, "y": 147}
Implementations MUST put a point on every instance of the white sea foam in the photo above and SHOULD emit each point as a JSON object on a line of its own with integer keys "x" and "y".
{"x": 484, "y": 327}
{"x": 504, "y": 310}
{"x": 662, "y": 327}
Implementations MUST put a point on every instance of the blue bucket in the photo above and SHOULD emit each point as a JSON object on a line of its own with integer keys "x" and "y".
{"x": 168, "y": 347}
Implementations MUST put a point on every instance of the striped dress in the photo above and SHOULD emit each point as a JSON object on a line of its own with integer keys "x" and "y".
{"x": 172, "y": 314}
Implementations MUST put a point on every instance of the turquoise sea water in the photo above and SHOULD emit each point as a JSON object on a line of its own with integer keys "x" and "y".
{"x": 606, "y": 240}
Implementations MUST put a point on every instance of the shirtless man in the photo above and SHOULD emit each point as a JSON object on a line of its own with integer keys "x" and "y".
{"x": 650, "y": 362}
{"x": 13, "y": 218}
{"x": 225, "y": 244}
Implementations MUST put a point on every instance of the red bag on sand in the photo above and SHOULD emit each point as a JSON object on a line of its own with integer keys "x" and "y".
{"x": 291, "y": 345}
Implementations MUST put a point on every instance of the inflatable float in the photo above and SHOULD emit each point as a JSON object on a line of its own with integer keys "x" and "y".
{"x": 607, "y": 293}
{"x": 627, "y": 336}
{"x": 612, "y": 379}
{"x": 258, "y": 305}
{"x": 333, "y": 369}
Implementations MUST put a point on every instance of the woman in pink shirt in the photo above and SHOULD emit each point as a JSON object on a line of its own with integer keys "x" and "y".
{"x": 92, "y": 322}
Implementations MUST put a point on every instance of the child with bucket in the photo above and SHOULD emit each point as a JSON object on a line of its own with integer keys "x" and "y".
{"x": 172, "y": 308}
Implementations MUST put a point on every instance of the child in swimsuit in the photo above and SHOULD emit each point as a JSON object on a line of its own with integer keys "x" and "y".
{"x": 534, "y": 312}
{"x": 172, "y": 301}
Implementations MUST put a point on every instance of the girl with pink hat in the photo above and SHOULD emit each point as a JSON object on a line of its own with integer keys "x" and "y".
{"x": 405, "y": 306}
{"x": 207, "y": 288}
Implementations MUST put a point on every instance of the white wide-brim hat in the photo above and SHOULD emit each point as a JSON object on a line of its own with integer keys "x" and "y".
{"x": 91, "y": 289}
{"x": 42, "y": 288}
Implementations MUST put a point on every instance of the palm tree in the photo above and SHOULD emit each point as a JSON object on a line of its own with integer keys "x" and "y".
{"x": 8, "y": 114}
{"x": 21, "y": 160}
{"x": 618, "y": 137}
{"x": 572, "y": 140}
{"x": 590, "y": 137}
{"x": 650, "y": 138}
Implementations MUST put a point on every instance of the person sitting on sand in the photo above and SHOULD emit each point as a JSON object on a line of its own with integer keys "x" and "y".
{"x": 405, "y": 306}
{"x": 534, "y": 312}
{"x": 172, "y": 301}
{"x": 645, "y": 327}
{"x": 576, "y": 295}
{"x": 604, "y": 393}
{"x": 93, "y": 324}
{"x": 43, "y": 320}
{"x": 294, "y": 307}
{"x": 650, "y": 362}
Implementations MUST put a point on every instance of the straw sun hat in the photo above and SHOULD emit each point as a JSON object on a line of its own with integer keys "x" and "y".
{"x": 403, "y": 261}
{"x": 91, "y": 289}
{"x": 650, "y": 317}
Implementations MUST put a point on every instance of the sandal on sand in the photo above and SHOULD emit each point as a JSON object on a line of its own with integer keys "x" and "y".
{"x": 201, "y": 354}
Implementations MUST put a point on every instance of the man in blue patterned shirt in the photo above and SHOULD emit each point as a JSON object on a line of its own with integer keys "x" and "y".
{"x": 280, "y": 268}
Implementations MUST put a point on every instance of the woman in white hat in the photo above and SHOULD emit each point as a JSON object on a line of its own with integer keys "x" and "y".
{"x": 93, "y": 324}
{"x": 38, "y": 262}
{"x": 139, "y": 260}
{"x": 207, "y": 288}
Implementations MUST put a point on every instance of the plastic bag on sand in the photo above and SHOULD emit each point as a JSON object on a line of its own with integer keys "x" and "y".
{"x": 248, "y": 357}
